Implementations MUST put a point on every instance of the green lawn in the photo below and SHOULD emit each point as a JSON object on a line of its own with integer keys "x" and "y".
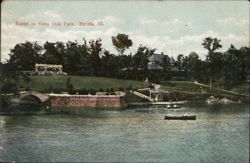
{"x": 188, "y": 87}
{"x": 185, "y": 86}
{"x": 44, "y": 83}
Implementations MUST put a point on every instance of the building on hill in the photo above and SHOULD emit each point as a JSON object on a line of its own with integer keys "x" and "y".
{"x": 155, "y": 62}
{"x": 49, "y": 69}
{"x": 155, "y": 67}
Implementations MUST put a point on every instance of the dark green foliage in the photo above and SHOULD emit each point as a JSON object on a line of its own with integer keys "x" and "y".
{"x": 9, "y": 88}
{"x": 225, "y": 69}
{"x": 120, "y": 89}
{"x": 24, "y": 56}
{"x": 101, "y": 90}
{"x": 121, "y": 42}
{"x": 92, "y": 91}
{"x": 69, "y": 86}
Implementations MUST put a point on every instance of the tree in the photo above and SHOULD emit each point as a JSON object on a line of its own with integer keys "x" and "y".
{"x": 109, "y": 64}
{"x": 180, "y": 59}
{"x": 192, "y": 66}
{"x": 121, "y": 42}
{"x": 76, "y": 57}
{"x": 69, "y": 86}
{"x": 211, "y": 44}
{"x": 233, "y": 71}
{"x": 24, "y": 56}
{"x": 54, "y": 53}
{"x": 95, "y": 49}
{"x": 141, "y": 56}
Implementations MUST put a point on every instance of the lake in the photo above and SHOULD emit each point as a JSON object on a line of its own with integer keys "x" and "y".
{"x": 138, "y": 134}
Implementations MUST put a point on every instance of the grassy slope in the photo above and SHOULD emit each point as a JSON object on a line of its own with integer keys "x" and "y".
{"x": 43, "y": 83}
{"x": 184, "y": 86}
{"x": 188, "y": 86}
{"x": 195, "y": 91}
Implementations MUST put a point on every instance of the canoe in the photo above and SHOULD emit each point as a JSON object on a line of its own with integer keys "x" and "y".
{"x": 173, "y": 106}
{"x": 182, "y": 117}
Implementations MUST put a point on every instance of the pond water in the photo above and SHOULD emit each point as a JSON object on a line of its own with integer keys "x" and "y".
{"x": 139, "y": 134}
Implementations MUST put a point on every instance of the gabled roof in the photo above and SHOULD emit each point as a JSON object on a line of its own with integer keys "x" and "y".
{"x": 156, "y": 58}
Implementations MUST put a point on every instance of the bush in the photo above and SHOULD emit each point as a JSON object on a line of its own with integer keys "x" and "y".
{"x": 9, "y": 88}
{"x": 129, "y": 87}
{"x": 69, "y": 86}
{"x": 92, "y": 91}
{"x": 83, "y": 91}
{"x": 120, "y": 89}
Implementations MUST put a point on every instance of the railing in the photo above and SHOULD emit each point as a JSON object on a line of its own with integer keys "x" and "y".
{"x": 142, "y": 95}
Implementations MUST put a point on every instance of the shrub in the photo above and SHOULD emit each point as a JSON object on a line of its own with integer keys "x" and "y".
{"x": 69, "y": 86}
{"x": 120, "y": 89}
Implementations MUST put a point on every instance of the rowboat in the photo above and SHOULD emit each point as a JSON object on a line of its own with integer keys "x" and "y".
{"x": 180, "y": 117}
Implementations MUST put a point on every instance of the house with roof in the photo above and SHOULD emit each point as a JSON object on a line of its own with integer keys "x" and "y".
{"x": 155, "y": 67}
{"x": 155, "y": 62}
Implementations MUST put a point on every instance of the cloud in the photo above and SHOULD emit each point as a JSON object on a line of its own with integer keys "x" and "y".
{"x": 232, "y": 22}
{"x": 5, "y": 15}
{"x": 188, "y": 43}
{"x": 167, "y": 24}
{"x": 44, "y": 16}
{"x": 12, "y": 34}
{"x": 52, "y": 14}
{"x": 111, "y": 20}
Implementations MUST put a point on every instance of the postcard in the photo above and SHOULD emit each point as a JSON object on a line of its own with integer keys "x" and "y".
{"x": 124, "y": 81}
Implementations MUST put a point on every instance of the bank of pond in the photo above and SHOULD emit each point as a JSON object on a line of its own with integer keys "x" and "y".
{"x": 37, "y": 103}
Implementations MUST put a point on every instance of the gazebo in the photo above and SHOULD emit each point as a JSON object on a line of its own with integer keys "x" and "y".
{"x": 157, "y": 94}
{"x": 43, "y": 69}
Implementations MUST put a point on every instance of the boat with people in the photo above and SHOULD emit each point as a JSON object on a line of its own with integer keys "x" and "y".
{"x": 224, "y": 100}
{"x": 180, "y": 117}
{"x": 173, "y": 106}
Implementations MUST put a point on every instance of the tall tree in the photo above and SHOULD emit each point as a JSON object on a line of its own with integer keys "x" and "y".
{"x": 211, "y": 44}
{"x": 72, "y": 57}
{"x": 140, "y": 58}
{"x": 121, "y": 42}
{"x": 192, "y": 66}
{"x": 25, "y": 55}
{"x": 95, "y": 49}
{"x": 180, "y": 59}
{"x": 54, "y": 53}
{"x": 109, "y": 64}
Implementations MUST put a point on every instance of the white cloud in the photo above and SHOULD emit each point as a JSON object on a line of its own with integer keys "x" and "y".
{"x": 12, "y": 34}
{"x": 52, "y": 14}
{"x": 111, "y": 20}
{"x": 6, "y": 15}
{"x": 232, "y": 22}
{"x": 38, "y": 16}
{"x": 186, "y": 44}
{"x": 167, "y": 24}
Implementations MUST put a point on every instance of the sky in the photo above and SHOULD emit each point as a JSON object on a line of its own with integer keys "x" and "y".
{"x": 172, "y": 27}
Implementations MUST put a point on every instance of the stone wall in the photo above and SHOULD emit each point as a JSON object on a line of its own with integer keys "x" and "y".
{"x": 111, "y": 101}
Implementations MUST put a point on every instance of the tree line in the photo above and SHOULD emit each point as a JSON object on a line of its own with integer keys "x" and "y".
{"x": 225, "y": 69}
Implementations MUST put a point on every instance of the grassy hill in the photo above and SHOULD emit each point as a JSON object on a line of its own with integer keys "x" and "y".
{"x": 58, "y": 83}
{"x": 191, "y": 90}
{"x": 186, "y": 90}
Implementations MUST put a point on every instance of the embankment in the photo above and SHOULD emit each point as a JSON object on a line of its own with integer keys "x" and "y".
{"x": 97, "y": 101}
